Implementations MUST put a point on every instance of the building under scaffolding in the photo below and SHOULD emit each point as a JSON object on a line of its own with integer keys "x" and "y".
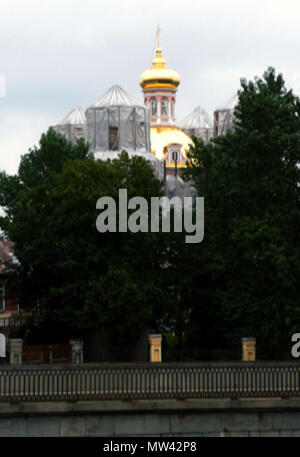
{"x": 73, "y": 125}
{"x": 116, "y": 122}
{"x": 224, "y": 117}
{"x": 199, "y": 124}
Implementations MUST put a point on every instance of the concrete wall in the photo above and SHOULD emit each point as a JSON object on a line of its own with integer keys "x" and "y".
{"x": 257, "y": 417}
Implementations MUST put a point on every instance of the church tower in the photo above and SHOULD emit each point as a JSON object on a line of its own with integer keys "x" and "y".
{"x": 159, "y": 84}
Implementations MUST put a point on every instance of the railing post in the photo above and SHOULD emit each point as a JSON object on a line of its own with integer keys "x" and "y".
{"x": 155, "y": 348}
{"x": 2, "y": 345}
{"x": 249, "y": 351}
{"x": 15, "y": 347}
{"x": 76, "y": 350}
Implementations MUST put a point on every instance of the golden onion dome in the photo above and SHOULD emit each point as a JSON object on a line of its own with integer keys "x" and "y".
{"x": 162, "y": 137}
{"x": 159, "y": 75}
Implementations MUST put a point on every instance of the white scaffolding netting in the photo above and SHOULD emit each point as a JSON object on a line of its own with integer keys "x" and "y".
{"x": 224, "y": 116}
{"x": 73, "y": 126}
{"x": 115, "y": 128}
{"x": 118, "y": 121}
{"x": 199, "y": 124}
{"x": 114, "y": 123}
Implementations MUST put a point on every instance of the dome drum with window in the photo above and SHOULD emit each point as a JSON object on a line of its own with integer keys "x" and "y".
{"x": 115, "y": 122}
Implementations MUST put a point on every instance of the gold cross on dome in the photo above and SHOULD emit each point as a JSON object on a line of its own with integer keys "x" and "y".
{"x": 158, "y": 36}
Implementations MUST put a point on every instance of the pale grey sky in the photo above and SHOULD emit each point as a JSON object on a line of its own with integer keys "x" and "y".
{"x": 56, "y": 54}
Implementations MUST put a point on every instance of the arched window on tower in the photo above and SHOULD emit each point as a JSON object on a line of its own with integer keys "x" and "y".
{"x": 172, "y": 107}
{"x": 153, "y": 106}
{"x": 164, "y": 106}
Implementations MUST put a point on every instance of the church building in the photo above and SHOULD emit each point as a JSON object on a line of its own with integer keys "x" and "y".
{"x": 117, "y": 121}
{"x": 168, "y": 141}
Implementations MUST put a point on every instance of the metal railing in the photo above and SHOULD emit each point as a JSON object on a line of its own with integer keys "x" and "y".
{"x": 149, "y": 381}
{"x": 196, "y": 355}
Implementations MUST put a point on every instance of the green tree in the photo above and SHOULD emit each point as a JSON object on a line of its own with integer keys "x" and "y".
{"x": 81, "y": 280}
{"x": 248, "y": 265}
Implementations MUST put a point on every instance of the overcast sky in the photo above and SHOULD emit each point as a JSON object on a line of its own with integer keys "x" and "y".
{"x": 56, "y": 54}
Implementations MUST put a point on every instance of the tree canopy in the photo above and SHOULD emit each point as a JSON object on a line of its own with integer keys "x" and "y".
{"x": 83, "y": 279}
{"x": 247, "y": 270}
{"x": 242, "y": 280}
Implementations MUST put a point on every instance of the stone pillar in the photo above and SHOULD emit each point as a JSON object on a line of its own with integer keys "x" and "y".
{"x": 249, "y": 349}
{"x": 2, "y": 345}
{"x": 15, "y": 347}
{"x": 76, "y": 350}
{"x": 155, "y": 348}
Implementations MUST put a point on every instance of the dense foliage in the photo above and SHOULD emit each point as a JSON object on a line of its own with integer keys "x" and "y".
{"x": 242, "y": 280}
{"x": 247, "y": 270}
{"x": 78, "y": 278}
